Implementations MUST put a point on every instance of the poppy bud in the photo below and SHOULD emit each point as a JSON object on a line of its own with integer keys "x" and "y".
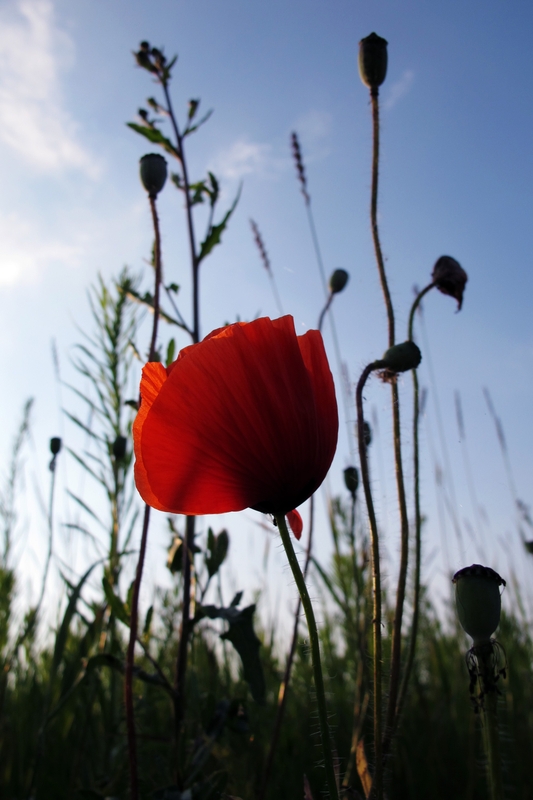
{"x": 338, "y": 280}
{"x": 351, "y": 480}
{"x": 373, "y": 60}
{"x": 450, "y": 278}
{"x": 119, "y": 447}
{"x": 402, "y": 357}
{"x": 478, "y": 601}
{"x": 55, "y": 445}
{"x": 153, "y": 171}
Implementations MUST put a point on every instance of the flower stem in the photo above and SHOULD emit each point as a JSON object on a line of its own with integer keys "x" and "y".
{"x": 377, "y": 784}
{"x": 284, "y": 686}
{"x": 484, "y": 655}
{"x": 315, "y": 652}
{"x": 374, "y": 214}
{"x": 128, "y": 677}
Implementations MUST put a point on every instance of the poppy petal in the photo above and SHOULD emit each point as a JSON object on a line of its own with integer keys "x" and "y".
{"x": 296, "y": 523}
{"x": 239, "y": 421}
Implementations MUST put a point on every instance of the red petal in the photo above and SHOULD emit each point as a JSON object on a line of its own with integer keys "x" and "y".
{"x": 296, "y": 523}
{"x": 247, "y": 417}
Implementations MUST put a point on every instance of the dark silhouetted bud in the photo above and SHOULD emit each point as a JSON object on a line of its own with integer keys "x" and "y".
{"x": 338, "y": 281}
{"x": 119, "y": 447}
{"x": 351, "y": 480}
{"x": 55, "y": 445}
{"x": 529, "y": 547}
{"x": 153, "y": 173}
{"x": 450, "y": 278}
{"x": 402, "y": 357}
{"x": 478, "y": 601}
{"x": 373, "y": 60}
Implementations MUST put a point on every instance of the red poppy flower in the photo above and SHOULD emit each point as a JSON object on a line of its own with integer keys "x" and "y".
{"x": 246, "y": 418}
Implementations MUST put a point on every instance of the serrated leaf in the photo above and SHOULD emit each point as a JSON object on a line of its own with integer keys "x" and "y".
{"x": 217, "y": 549}
{"x": 216, "y": 231}
{"x": 155, "y": 136}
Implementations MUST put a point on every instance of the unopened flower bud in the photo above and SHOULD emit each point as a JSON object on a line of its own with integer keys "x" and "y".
{"x": 402, "y": 357}
{"x": 351, "y": 480}
{"x": 55, "y": 445}
{"x": 373, "y": 60}
{"x": 478, "y": 601}
{"x": 153, "y": 170}
{"x": 338, "y": 280}
{"x": 450, "y": 278}
{"x": 119, "y": 447}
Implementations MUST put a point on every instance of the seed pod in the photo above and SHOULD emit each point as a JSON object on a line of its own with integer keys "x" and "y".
{"x": 373, "y": 60}
{"x": 478, "y": 601}
{"x": 351, "y": 480}
{"x": 119, "y": 447}
{"x": 450, "y": 278}
{"x": 153, "y": 170}
{"x": 338, "y": 281}
{"x": 402, "y": 357}
{"x": 55, "y": 445}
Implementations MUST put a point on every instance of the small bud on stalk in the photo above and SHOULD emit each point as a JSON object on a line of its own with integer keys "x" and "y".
{"x": 153, "y": 171}
{"x": 119, "y": 448}
{"x": 373, "y": 61}
{"x": 402, "y": 357}
{"x": 55, "y": 445}
{"x": 338, "y": 280}
{"x": 351, "y": 480}
{"x": 450, "y": 278}
{"x": 478, "y": 601}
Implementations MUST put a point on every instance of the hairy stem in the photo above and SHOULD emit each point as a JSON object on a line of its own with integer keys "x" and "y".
{"x": 284, "y": 686}
{"x": 377, "y": 785}
{"x": 374, "y": 215}
{"x": 315, "y": 652}
{"x": 491, "y": 738}
{"x": 128, "y": 679}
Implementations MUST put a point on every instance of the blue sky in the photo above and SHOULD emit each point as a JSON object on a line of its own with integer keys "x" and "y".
{"x": 456, "y": 178}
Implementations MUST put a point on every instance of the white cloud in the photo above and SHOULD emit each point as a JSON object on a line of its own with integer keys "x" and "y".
{"x": 25, "y": 252}
{"x": 399, "y": 89}
{"x": 245, "y": 158}
{"x": 33, "y": 119}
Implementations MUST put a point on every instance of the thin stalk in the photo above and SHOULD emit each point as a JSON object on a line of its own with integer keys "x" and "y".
{"x": 484, "y": 655}
{"x": 128, "y": 679}
{"x": 50, "y": 532}
{"x": 374, "y": 215}
{"x": 418, "y": 528}
{"x": 324, "y": 311}
{"x": 284, "y": 686}
{"x": 315, "y": 652}
{"x": 396, "y": 646}
{"x": 377, "y": 784}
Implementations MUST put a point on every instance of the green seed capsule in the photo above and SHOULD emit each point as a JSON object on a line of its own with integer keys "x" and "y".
{"x": 402, "y": 357}
{"x": 153, "y": 170}
{"x": 338, "y": 281}
{"x": 351, "y": 480}
{"x": 373, "y": 60}
{"x": 478, "y": 601}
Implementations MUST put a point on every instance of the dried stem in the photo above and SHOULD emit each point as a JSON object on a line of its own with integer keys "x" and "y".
{"x": 377, "y": 784}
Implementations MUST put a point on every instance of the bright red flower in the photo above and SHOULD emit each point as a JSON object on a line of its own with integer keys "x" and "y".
{"x": 246, "y": 418}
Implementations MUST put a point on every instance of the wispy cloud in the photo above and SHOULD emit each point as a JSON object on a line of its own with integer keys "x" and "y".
{"x": 244, "y": 157}
{"x": 399, "y": 89}
{"x": 25, "y": 252}
{"x": 33, "y": 119}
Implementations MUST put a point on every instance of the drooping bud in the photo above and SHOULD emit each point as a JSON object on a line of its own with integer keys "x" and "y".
{"x": 450, "y": 278}
{"x": 55, "y": 445}
{"x": 478, "y": 601}
{"x": 351, "y": 480}
{"x": 338, "y": 280}
{"x": 153, "y": 171}
{"x": 373, "y": 60}
{"x": 402, "y": 357}
{"x": 119, "y": 448}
